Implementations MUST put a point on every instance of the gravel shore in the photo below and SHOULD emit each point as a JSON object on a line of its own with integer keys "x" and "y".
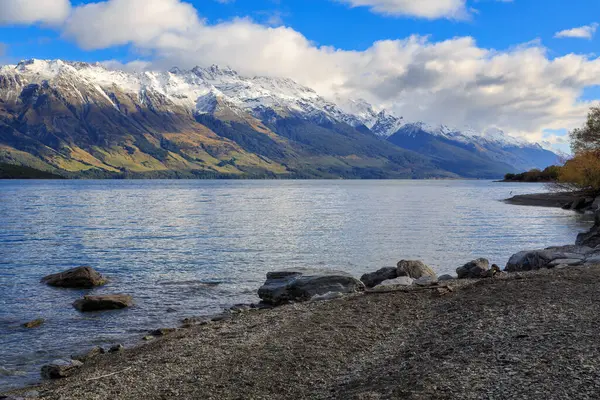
{"x": 521, "y": 336}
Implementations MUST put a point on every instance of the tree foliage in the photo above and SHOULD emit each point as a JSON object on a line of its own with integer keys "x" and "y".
{"x": 587, "y": 138}
{"x": 582, "y": 172}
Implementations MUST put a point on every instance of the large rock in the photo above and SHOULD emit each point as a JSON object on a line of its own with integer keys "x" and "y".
{"x": 415, "y": 269}
{"x": 302, "y": 284}
{"x": 106, "y": 302}
{"x": 537, "y": 259}
{"x": 592, "y": 237}
{"x": 76, "y": 278}
{"x": 60, "y": 369}
{"x": 88, "y": 355}
{"x": 375, "y": 278}
{"x": 474, "y": 269}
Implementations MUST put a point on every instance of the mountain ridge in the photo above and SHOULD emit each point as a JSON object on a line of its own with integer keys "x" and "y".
{"x": 83, "y": 118}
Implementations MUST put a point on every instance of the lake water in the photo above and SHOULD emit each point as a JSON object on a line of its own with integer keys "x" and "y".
{"x": 164, "y": 242}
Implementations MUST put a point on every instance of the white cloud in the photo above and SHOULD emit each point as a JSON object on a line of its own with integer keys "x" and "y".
{"x": 431, "y": 9}
{"x": 116, "y": 22}
{"x": 33, "y": 11}
{"x": 583, "y": 32}
{"x": 521, "y": 90}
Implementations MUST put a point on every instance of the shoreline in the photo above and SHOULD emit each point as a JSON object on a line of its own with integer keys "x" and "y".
{"x": 492, "y": 337}
{"x": 241, "y": 323}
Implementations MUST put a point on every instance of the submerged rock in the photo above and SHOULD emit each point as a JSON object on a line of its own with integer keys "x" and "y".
{"x": 60, "y": 369}
{"x": 375, "y": 278}
{"x": 36, "y": 323}
{"x": 303, "y": 284}
{"x": 415, "y": 269}
{"x": 474, "y": 269}
{"x": 76, "y": 278}
{"x": 106, "y": 302}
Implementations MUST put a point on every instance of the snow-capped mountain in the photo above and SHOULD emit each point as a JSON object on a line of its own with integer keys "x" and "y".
{"x": 86, "y": 108}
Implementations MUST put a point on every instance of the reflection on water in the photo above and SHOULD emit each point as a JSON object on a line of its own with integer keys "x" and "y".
{"x": 195, "y": 247}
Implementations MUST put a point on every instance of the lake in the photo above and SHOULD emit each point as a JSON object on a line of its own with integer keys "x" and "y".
{"x": 196, "y": 247}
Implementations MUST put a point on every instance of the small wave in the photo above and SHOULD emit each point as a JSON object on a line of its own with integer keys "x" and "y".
{"x": 190, "y": 283}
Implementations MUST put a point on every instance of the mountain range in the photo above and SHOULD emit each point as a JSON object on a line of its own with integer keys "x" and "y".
{"x": 87, "y": 120}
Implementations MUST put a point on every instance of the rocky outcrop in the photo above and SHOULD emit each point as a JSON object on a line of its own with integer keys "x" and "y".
{"x": 546, "y": 258}
{"x": 415, "y": 269}
{"x": 375, "y": 278}
{"x": 592, "y": 237}
{"x": 106, "y": 302}
{"x": 60, "y": 369}
{"x": 76, "y": 278}
{"x": 474, "y": 269}
{"x": 302, "y": 284}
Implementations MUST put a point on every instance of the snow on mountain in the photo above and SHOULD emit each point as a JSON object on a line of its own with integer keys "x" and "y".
{"x": 202, "y": 90}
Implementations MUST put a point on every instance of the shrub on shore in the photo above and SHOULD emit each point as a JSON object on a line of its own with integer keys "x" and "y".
{"x": 550, "y": 174}
{"x": 582, "y": 172}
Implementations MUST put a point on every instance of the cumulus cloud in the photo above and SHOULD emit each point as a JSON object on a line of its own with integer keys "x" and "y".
{"x": 33, "y": 11}
{"x": 117, "y": 22}
{"x": 430, "y": 9}
{"x": 583, "y": 32}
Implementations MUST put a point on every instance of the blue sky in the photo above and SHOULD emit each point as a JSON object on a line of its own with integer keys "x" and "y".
{"x": 476, "y": 63}
{"x": 495, "y": 24}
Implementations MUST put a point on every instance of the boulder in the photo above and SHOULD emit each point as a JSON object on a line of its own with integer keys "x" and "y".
{"x": 60, "y": 369}
{"x": 425, "y": 281}
{"x": 400, "y": 281}
{"x": 302, "y": 284}
{"x": 415, "y": 269}
{"x": 537, "y": 259}
{"x": 36, "y": 323}
{"x": 375, "y": 278}
{"x": 106, "y": 302}
{"x": 474, "y": 269}
{"x": 76, "y": 278}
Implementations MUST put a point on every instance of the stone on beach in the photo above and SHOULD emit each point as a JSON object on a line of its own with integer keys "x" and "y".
{"x": 415, "y": 269}
{"x": 375, "y": 278}
{"x": 105, "y": 302}
{"x": 473, "y": 269}
{"x": 303, "y": 284}
{"x": 400, "y": 281}
{"x": 425, "y": 281}
{"x": 76, "y": 278}
{"x": 88, "y": 355}
{"x": 60, "y": 369}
